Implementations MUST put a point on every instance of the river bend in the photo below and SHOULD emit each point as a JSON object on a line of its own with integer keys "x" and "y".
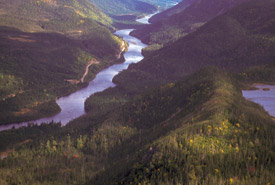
{"x": 72, "y": 106}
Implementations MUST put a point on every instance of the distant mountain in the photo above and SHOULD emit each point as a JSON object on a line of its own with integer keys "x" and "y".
{"x": 182, "y": 19}
{"x": 162, "y": 4}
{"x": 195, "y": 129}
{"x": 43, "y": 44}
{"x": 236, "y": 40}
{"x": 171, "y": 11}
{"x": 123, "y": 7}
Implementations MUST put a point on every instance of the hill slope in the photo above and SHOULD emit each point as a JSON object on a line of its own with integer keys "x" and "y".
{"x": 50, "y": 15}
{"x": 198, "y": 130}
{"x": 43, "y": 44}
{"x": 241, "y": 38}
{"x": 162, "y": 4}
{"x": 122, "y": 7}
{"x": 182, "y": 19}
{"x": 171, "y": 11}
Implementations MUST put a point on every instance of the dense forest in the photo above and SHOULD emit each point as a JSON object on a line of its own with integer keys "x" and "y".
{"x": 122, "y": 7}
{"x": 182, "y": 19}
{"x": 43, "y": 44}
{"x": 176, "y": 117}
{"x": 198, "y": 130}
{"x": 130, "y": 7}
{"x": 241, "y": 38}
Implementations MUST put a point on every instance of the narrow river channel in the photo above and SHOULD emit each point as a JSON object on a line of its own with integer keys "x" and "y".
{"x": 72, "y": 106}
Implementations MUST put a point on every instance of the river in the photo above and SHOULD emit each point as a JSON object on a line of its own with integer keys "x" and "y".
{"x": 72, "y": 106}
{"x": 265, "y": 96}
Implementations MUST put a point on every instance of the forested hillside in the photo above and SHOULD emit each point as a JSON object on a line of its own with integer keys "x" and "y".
{"x": 132, "y": 7}
{"x": 236, "y": 40}
{"x": 51, "y": 15}
{"x": 122, "y": 7}
{"x": 177, "y": 117}
{"x": 162, "y": 4}
{"x": 171, "y": 11}
{"x": 198, "y": 130}
{"x": 241, "y": 41}
{"x": 189, "y": 15}
{"x": 45, "y": 45}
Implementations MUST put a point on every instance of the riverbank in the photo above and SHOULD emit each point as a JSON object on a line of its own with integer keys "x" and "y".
{"x": 72, "y": 106}
{"x": 40, "y": 104}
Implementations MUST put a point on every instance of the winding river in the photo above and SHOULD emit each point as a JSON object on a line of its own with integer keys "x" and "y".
{"x": 72, "y": 106}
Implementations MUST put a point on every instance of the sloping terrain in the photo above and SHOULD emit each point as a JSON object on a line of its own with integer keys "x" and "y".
{"x": 45, "y": 44}
{"x": 182, "y": 19}
{"x": 198, "y": 130}
{"x": 241, "y": 41}
{"x": 236, "y": 40}
{"x": 171, "y": 11}
{"x": 169, "y": 120}
{"x": 162, "y": 4}
{"x": 207, "y": 138}
{"x": 122, "y": 7}
{"x": 51, "y": 15}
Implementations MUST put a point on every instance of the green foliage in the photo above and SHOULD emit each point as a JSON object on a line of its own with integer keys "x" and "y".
{"x": 161, "y": 4}
{"x": 181, "y": 6}
{"x": 207, "y": 133}
{"x": 105, "y": 101}
{"x": 199, "y": 130}
{"x": 226, "y": 141}
{"x": 35, "y": 66}
{"x": 51, "y": 15}
{"x": 122, "y": 7}
{"x": 182, "y": 19}
{"x": 17, "y": 137}
{"x": 229, "y": 41}
{"x": 260, "y": 74}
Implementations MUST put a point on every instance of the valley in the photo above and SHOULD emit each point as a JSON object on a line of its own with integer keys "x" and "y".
{"x": 53, "y": 43}
{"x": 72, "y": 106}
{"x": 175, "y": 111}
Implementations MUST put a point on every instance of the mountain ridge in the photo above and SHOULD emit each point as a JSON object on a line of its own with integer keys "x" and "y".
{"x": 206, "y": 126}
{"x": 170, "y": 119}
{"x": 225, "y": 41}
{"x": 186, "y": 21}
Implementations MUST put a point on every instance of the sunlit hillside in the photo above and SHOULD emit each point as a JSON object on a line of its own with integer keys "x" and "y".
{"x": 179, "y": 116}
{"x": 43, "y": 45}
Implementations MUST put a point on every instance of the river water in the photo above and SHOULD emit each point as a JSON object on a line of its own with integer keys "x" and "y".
{"x": 264, "y": 98}
{"x": 72, "y": 106}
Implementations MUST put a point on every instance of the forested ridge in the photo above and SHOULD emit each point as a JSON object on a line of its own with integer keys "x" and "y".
{"x": 177, "y": 117}
{"x": 197, "y": 130}
{"x": 182, "y": 19}
{"x": 122, "y": 7}
{"x": 241, "y": 38}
